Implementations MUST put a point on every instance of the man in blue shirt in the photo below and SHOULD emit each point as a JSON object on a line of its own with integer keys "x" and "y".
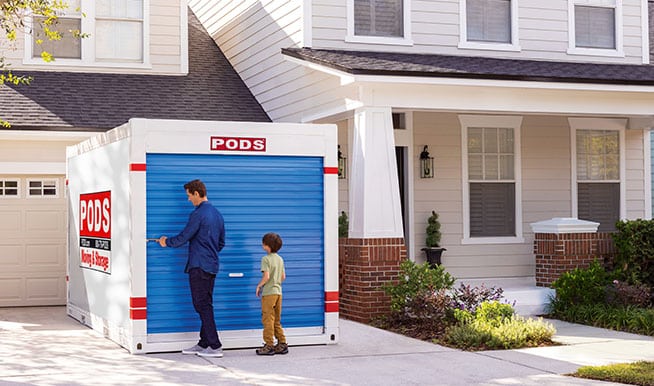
{"x": 205, "y": 233}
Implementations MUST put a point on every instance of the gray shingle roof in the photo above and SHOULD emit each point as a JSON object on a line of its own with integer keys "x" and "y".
{"x": 454, "y": 66}
{"x": 86, "y": 101}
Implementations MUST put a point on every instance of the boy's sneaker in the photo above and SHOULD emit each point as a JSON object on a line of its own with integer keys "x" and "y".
{"x": 265, "y": 350}
{"x": 281, "y": 348}
{"x": 211, "y": 352}
{"x": 192, "y": 350}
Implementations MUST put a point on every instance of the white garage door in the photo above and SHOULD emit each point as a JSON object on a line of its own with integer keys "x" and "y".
{"x": 32, "y": 241}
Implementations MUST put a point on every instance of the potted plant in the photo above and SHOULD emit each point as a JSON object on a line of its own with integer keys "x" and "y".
{"x": 433, "y": 251}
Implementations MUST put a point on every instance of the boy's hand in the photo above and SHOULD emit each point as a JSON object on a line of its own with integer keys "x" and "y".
{"x": 258, "y": 291}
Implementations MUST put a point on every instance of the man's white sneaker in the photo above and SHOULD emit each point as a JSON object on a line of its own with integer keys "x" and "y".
{"x": 192, "y": 350}
{"x": 211, "y": 352}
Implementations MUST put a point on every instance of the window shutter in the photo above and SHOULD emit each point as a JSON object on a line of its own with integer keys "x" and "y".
{"x": 594, "y": 27}
{"x": 488, "y": 20}
{"x": 599, "y": 202}
{"x": 492, "y": 209}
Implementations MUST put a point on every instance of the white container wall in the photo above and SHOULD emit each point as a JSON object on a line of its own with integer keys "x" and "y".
{"x": 126, "y": 186}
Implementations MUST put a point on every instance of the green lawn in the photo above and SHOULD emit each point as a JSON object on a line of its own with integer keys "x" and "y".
{"x": 638, "y": 373}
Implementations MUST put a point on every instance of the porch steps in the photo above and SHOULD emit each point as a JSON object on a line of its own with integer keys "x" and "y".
{"x": 527, "y": 299}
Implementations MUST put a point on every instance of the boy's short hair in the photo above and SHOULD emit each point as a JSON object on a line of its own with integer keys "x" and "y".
{"x": 272, "y": 240}
{"x": 196, "y": 186}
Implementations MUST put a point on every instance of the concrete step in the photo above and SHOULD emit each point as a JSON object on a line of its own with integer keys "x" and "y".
{"x": 521, "y": 292}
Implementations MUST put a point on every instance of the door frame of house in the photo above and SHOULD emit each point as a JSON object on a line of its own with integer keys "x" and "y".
{"x": 403, "y": 137}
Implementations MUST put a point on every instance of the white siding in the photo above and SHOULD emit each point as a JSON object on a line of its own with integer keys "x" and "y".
{"x": 165, "y": 46}
{"x": 543, "y": 31}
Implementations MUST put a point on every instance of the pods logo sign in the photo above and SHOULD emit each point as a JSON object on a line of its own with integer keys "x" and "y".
{"x": 238, "y": 144}
{"x": 95, "y": 231}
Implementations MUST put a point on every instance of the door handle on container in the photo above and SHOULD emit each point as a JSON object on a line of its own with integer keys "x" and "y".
{"x": 236, "y": 274}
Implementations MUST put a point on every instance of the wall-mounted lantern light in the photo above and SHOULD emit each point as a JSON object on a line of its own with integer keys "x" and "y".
{"x": 342, "y": 164}
{"x": 426, "y": 164}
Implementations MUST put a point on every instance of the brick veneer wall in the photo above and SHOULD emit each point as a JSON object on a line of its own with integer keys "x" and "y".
{"x": 559, "y": 253}
{"x": 365, "y": 265}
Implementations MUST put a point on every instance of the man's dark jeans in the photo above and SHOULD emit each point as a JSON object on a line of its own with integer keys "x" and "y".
{"x": 202, "y": 293}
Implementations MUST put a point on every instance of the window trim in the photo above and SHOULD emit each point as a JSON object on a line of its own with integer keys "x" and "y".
{"x": 619, "y": 125}
{"x": 406, "y": 40}
{"x": 28, "y": 195}
{"x": 618, "y": 51}
{"x": 491, "y": 121}
{"x": 18, "y": 193}
{"x": 87, "y": 8}
{"x": 463, "y": 33}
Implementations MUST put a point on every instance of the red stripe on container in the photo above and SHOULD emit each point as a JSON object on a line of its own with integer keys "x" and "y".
{"x": 331, "y": 296}
{"x": 329, "y": 170}
{"x": 136, "y": 167}
{"x": 331, "y": 307}
{"x": 138, "y": 302}
{"x": 140, "y": 314}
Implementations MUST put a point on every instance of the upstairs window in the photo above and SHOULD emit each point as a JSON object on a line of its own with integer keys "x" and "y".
{"x": 488, "y": 21}
{"x": 70, "y": 45}
{"x": 595, "y": 27}
{"x": 114, "y": 33}
{"x": 118, "y": 28}
{"x": 379, "y": 18}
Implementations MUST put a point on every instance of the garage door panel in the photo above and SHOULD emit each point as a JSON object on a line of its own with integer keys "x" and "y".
{"x": 11, "y": 255}
{"x": 10, "y": 222}
{"x": 45, "y": 255}
{"x": 43, "y": 288}
{"x": 11, "y": 290}
{"x": 44, "y": 221}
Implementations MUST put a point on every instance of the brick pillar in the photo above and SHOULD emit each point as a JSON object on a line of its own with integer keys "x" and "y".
{"x": 563, "y": 244}
{"x": 365, "y": 265}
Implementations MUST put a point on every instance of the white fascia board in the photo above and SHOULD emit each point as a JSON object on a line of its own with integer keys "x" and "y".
{"x": 42, "y": 135}
{"x": 347, "y": 78}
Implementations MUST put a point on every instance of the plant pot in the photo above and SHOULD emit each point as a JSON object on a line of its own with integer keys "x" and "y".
{"x": 434, "y": 255}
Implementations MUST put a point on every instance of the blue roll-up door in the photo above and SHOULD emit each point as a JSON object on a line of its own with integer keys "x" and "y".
{"x": 256, "y": 195}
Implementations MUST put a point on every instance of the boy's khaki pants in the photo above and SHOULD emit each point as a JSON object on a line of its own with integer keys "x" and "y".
{"x": 271, "y": 318}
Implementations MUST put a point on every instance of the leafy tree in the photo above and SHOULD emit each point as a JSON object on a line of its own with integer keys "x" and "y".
{"x": 14, "y": 16}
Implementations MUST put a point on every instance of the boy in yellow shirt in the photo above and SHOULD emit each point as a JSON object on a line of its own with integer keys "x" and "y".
{"x": 270, "y": 289}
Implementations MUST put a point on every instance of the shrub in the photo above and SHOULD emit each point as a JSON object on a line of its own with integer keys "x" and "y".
{"x": 634, "y": 259}
{"x": 495, "y": 326}
{"x": 469, "y": 298}
{"x": 580, "y": 286}
{"x": 416, "y": 279}
{"x": 343, "y": 225}
{"x": 629, "y": 318}
{"x": 620, "y": 293}
{"x": 433, "y": 231}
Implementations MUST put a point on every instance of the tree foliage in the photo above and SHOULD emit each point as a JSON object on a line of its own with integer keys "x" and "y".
{"x": 18, "y": 17}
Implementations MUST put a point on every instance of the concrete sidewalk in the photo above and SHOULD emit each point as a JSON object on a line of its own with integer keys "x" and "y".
{"x": 43, "y": 346}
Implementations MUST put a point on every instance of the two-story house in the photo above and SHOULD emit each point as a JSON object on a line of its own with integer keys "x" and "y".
{"x": 531, "y": 110}
{"x": 142, "y": 58}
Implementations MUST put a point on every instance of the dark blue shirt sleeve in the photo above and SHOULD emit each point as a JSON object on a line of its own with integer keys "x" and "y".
{"x": 187, "y": 233}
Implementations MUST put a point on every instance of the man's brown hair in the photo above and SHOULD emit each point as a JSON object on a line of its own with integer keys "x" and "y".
{"x": 273, "y": 240}
{"x": 196, "y": 186}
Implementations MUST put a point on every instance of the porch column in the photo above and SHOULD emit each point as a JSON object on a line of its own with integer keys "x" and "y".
{"x": 374, "y": 195}
{"x": 371, "y": 256}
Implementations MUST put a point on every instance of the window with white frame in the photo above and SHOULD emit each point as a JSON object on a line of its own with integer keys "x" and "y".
{"x": 492, "y": 185}
{"x": 9, "y": 188}
{"x": 489, "y": 25}
{"x": 383, "y": 18}
{"x": 595, "y": 25}
{"x": 42, "y": 188}
{"x": 488, "y": 21}
{"x": 114, "y": 32}
{"x": 598, "y": 176}
{"x": 70, "y": 45}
